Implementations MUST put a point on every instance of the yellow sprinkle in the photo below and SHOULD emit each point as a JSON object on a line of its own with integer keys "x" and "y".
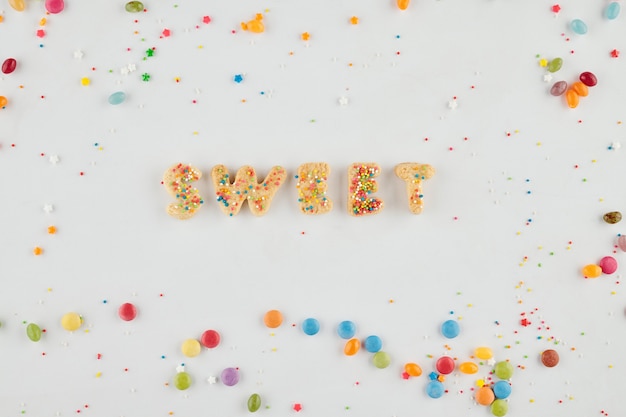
{"x": 391, "y": 301}
{"x": 274, "y": 349}
{"x": 200, "y": 46}
{"x": 543, "y": 62}
{"x": 538, "y": 143}
{"x": 470, "y": 305}
{"x": 610, "y": 366}
{"x": 195, "y": 132}
{"x": 518, "y": 233}
{"x": 272, "y": 334}
{"x": 42, "y": 22}
{"x": 85, "y": 81}
{"x": 480, "y": 383}
{"x": 613, "y": 293}
{"x": 49, "y": 289}
{"x": 571, "y": 397}
{"x": 86, "y": 330}
{"x": 532, "y": 400}
{"x": 98, "y": 374}
{"x": 594, "y": 161}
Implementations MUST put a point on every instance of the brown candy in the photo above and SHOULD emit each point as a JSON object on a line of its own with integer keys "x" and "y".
{"x": 550, "y": 358}
{"x": 612, "y": 217}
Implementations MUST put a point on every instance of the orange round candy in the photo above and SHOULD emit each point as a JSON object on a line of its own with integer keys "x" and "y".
{"x": 483, "y": 353}
{"x": 3, "y": 101}
{"x": 273, "y": 319}
{"x": 412, "y": 369}
{"x": 571, "y": 97}
{"x": 580, "y": 89}
{"x": 485, "y": 396}
{"x": 468, "y": 368}
{"x": 352, "y": 347}
{"x": 592, "y": 271}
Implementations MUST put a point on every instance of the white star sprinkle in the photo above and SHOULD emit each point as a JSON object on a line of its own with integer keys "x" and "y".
{"x": 452, "y": 104}
{"x": 180, "y": 368}
{"x": 212, "y": 380}
{"x": 78, "y": 54}
{"x": 547, "y": 78}
{"x": 48, "y": 208}
{"x": 343, "y": 101}
{"x": 54, "y": 159}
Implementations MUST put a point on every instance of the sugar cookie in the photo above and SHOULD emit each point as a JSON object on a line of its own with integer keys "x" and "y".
{"x": 177, "y": 180}
{"x": 311, "y": 184}
{"x": 246, "y": 187}
{"x": 361, "y": 185}
{"x": 413, "y": 173}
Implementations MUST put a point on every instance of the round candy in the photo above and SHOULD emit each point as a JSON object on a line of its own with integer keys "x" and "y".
{"x": 71, "y": 321}
{"x": 621, "y": 242}
{"x": 588, "y": 78}
{"x": 468, "y": 368}
{"x": 346, "y": 329}
{"x": 403, "y": 4}
{"x": 182, "y": 380}
{"x": 612, "y": 217}
{"x": 558, "y": 88}
{"x": 608, "y": 264}
{"x": 273, "y": 319}
{"x": 485, "y": 396}
{"x": 502, "y": 389}
{"x": 3, "y": 101}
{"x": 310, "y": 326}
{"x": 9, "y": 65}
{"x": 445, "y": 365}
{"x": 373, "y": 344}
{"x": 499, "y": 408}
{"x": 550, "y": 358}
{"x": 555, "y": 65}
{"x": 33, "y": 332}
{"x": 210, "y": 339}
{"x": 230, "y": 376}
{"x": 592, "y": 271}
{"x": 450, "y": 329}
{"x": 117, "y": 98}
{"x": 191, "y": 348}
{"x": 503, "y": 370}
{"x": 412, "y": 369}
{"x": 483, "y": 353}
{"x": 127, "y": 311}
{"x": 612, "y": 10}
{"x": 18, "y": 5}
{"x": 571, "y": 98}
{"x": 435, "y": 389}
{"x": 254, "y": 403}
{"x": 580, "y": 88}
{"x": 55, "y": 6}
{"x": 351, "y": 347}
{"x": 134, "y": 7}
{"x": 578, "y": 26}
{"x": 381, "y": 360}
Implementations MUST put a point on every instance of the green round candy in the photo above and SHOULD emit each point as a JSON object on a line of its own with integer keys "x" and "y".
{"x": 555, "y": 65}
{"x": 134, "y": 7}
{"x": 499, "y": 408}
{"x": 381, "y": 359}
{"x": 254, "y": 403}
{"x": 503, "y": 370}
{"x": 182, "y": 381}
{"x": 33, "y": 332}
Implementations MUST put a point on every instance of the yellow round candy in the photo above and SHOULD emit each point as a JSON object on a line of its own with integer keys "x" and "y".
{"x": 412, "y": 369}
{"x": 468, "y": 368}
{"x": 191, "y": 348}
{"x": 483, "y": 352}
{"x": 592, "y": 271}
{"x": 71, "y": 321}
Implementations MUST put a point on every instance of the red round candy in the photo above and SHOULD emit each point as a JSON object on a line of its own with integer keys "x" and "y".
{"x": 8, "y": 66}
{"x": 588, "y": 78}
{"x": 210, "y": 339}
{"x": 127, "y": 312}
{"x": 445, "y": 365}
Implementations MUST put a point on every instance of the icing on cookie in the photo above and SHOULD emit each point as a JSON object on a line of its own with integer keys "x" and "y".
{"x": 311, "y": 184}
{"x": 361, "y": 185}
{"x": 177, "y": 180}
{"x": 413, "y": 174}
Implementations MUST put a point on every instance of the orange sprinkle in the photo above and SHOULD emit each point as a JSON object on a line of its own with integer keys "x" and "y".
{"x": 37, "y": 251}
{"x": 52, "y": 230}
{"x": 305, "y": 36}
{"x": 354, "y": 20}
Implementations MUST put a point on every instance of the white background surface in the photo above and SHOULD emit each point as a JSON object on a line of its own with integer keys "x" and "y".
{"x": 508, "y": 153}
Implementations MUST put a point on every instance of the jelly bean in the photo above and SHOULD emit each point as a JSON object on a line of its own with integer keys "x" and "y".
{"x": 612, "y": 217}
{"x": 403, "y": 4}
{"x": 499, "y": 408}
{"x": 558, "y": 88}
{"x": 608, "y": 264}
{"x": 3, "y": 101}
{"x": 117, "y": 98}
{"x": 134, "y": 7}
{"x": 612, "y": 10}
{"x": 254, "y": 403}
{"x": 484, "y": 396}
{"x": 351, "y": 347}
{"x": 412, "y": 369}
{"x": 310, "y": 326}
{"x": 182, "y": 381}
{"x": 483, "y": 353}
{"x": 588, "y": 78}
{"x": 273, "y": 319}
{"x": 503, "y": 370}
{"x": 571, "y": 98}
{"x": 450, "y": 329}
{"x": 592, "y": 271}
{"x": 127, "y": 311}
{"x": 578, "y": 26}
{"x": 468, "y": 368}
{"x": 555, "y": 65}
{"x": 18, "y": 5}
{"x": 33, "y": 332}
{"x": 55, "y": 6}
{"x": 373, "y": 344}
{"x": 230, "y": 376}
{"x": 381, "y": 360}
{"x": 255, "y": 25}
{"x": 550, "y": 358}
{"x": 621, "y": 242}
{"x": 445, "y": 365}
{"x": 346, "y": 329}
{"x": 210, "y": 339}
{"x": 8, "y": 66}
{"x": 71, "y": 321}
{"x": 191, "y": 348}
{"x": 435, "y": 389}
{"x": 580, "y": 89}
{"x": 502, "y": 389}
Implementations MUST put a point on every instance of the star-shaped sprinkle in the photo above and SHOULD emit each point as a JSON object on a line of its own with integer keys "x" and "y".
{"x": 48, "y": 208}
{"x": 206, "y": 20}
{"x": 180, "y": 368}
{"x": 614, "y": 53}
{"x": 547, "y": 78}
{"x": 145, "y": 76}
{"x": 305, "y": 36}
{"x": 238, "y": 78}
{"x": 124, "y": 71}
{"x": 297, "y": 407}
{"x": 354, "y": 20}
{"x": 166, "y": 33}
{"x": 343, "y": 101}
{"x": 54, "y": 159}
{"x": 212, "y": 379}
{"x": 131, "y": 67}
{"x": 556, "y": 8}
{"x": 491, "y": 362}
{"x": 149, "y": 52}
{"x": 452, "y": 104}
{"x": 78, "y": 54}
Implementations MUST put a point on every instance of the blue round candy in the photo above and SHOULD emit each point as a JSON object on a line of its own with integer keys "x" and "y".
{"x": 310, "y": 326}
{"x": 502, "y": 389}
{"x": 373, "y": 344}
{"x": 578, "y": 26}
{"x": 346, "y": 329}
{"x": 450, "y": 329}
{"x": 612, "y": 10}
{"x": 435, "y": 389}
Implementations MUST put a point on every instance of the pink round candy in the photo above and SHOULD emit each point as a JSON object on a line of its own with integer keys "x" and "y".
{"x": 445, "y": 365}
{"x": 55, "y": 6}
{"x": 127, "y": 311}
{"x": 210, "y": 339}
{"x": 558, "y": 88}
{"x": 621, "y": 242}
{"x": 608, "y": 264}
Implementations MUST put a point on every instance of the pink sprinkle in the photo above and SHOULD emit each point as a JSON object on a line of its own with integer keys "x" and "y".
{"x": 166, "y": 33}
{"x": 206, "y": 20}
{"x": 41, "y": 33}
